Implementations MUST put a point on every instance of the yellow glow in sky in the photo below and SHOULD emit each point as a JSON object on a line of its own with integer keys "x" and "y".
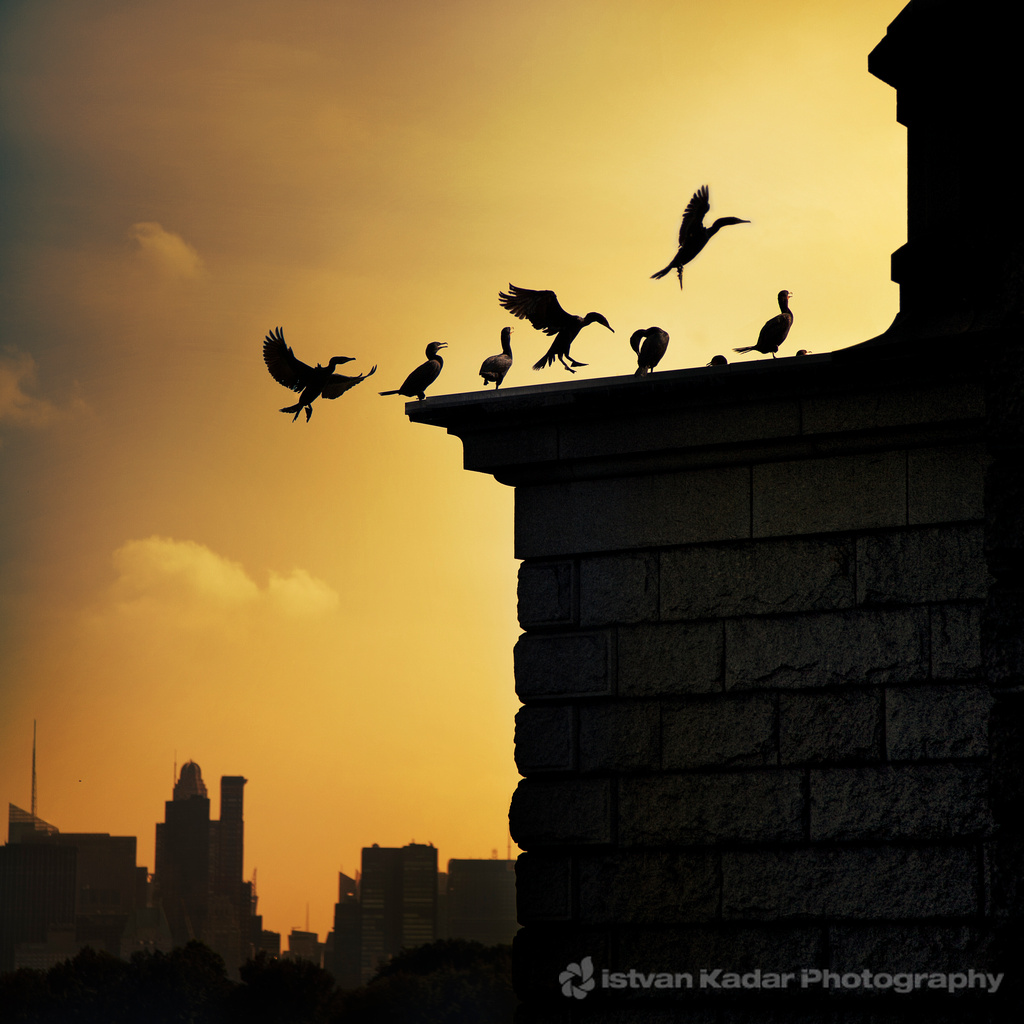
{"x": 329, "y": 608}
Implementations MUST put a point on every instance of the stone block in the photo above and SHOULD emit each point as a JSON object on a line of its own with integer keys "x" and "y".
{"x": 697, "y": 809}
{"x": 544, "y": 739}
{"x": 937, "y": 722}
{"x": 858, "y": 647}
{"x": 891, "y": 408}
{"x": 756, "y": 578}
{"x": 956, "y": 641}
{"x": 546, "y": 594}
{"x": 682, "y": 428}
{"x": 619, "y": 588}
{"x": 651, "y": 886}
{"x": 913, "y": 947}
{"x": 613, "y": 514}
{"x": 946, "y": 484}
{"x": 543, "y": 887}
{"x": 880, "y": 882}
{"x": 561, "y": 812}
{"x": 843, "y": 492}
{"x": 840, "y": 726}
{"x": 908, "y": 802}
{"x": 491, "y": 450}
{"x": 915, "y": 566}
{"x": 729, "y": 946}
{"x": 723, "y": 730}
{"x": 619, "y": 736}
{"x": 560, "y": 665}
{"x": 670, "y": 658}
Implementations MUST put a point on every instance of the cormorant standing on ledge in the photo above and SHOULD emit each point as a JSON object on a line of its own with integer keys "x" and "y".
{"x": 311, "y": 381}
{"x": 541, "y": 308}
{"x": 648, "y": 354}
{"x": 424, "y": 375}
{"x": 775, "y": 331}
{"x": 693, "y": 236}
{"x": 494, "y": 368}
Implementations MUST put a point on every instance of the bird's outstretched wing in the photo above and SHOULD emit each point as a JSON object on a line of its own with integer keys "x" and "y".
{"x": 696, "y": 210}
{"x": 281, "y": 362}
{"x": 541, "y": 308}
{"x": 337, "y": 384}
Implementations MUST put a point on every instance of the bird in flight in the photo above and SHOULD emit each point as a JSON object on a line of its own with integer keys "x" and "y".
{"x": 424, "y": 375}
{"x": 541, "y": 308}
{"x": 494, "y": 368}
{"x": 312, "y": 381}
{"x": 693, "y": 236}
{"x": 775, "y": 331}
{"x": 649, "y": 346}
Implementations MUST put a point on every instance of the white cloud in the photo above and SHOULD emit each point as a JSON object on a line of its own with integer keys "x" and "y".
{"x": 166, "y": 251}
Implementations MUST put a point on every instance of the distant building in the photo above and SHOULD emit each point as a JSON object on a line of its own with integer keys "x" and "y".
{"x": 62, "y": 891}
{"x": 481, "y": 901}
{"x": 398, "y": 901}
{"x": 269, "y": 942}
{"x": 305, "y": 946}
{"x": 198, "y": 876}
{"x": 343, "y": 957}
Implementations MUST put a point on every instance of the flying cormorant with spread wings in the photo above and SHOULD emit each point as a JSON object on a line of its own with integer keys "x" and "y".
{"x": 312, "y": 381}
{"x": 541, "y": 308}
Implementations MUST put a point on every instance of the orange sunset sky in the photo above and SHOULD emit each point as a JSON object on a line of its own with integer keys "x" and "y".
{"x": 329, "y": 608}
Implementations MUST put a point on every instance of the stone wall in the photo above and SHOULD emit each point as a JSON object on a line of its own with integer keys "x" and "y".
{"x": 755, "y": 723}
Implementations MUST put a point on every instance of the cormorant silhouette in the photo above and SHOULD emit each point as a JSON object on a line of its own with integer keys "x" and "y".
{"x": 693, "y": 236}
{"x": 494, "y": 368}
{"x": 424, "y": 375}
{"x": 775, "y": 331}
{"x": 649, "y": 346}
{"x": 541, "y": 308}
{"x": 312, "y": 381}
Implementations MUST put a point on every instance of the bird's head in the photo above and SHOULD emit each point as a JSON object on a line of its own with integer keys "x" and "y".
{"x": 635, "y": 338}
{"x": 506, "y": 334}
{"x": 434, "y": 347}
{"x": 724, "y": 222}
{"x": 596, "y": 318}
{"x": 784, "y": 297}
{"x": 718, "y": 361}
{"x": 335, "y": 360}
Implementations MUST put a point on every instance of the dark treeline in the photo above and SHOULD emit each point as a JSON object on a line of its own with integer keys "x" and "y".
{"x": 447, "y": 982}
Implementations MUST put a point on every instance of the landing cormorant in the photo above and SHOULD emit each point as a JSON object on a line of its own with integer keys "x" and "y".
{"x": 649, "y": 346}
{"x": 311, "y": 381}
{"x": 541, "y": 308}
{"x": 775, "y": 331}
{"x": 693, "y": 236}
{"x": 494, "y": 368}
{"x": 424, "y": 375}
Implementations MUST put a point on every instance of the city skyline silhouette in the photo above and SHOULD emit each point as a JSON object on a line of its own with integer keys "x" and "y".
{"x": 329, "y": 607}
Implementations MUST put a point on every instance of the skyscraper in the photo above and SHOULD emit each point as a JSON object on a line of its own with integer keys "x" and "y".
{"x": 398, "y": 901}
{"x": 199, "y": 864}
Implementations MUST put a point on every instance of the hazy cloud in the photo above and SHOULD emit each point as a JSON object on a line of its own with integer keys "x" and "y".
{"x": 17, "y": 373}
{"x": 186, "y": 578}
{"x": 166, "y": 251}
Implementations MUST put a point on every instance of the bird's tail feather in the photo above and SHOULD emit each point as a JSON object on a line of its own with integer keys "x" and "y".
{"x": 293, "y": 408}
{"x": 545, "y": 360}
{"x": 661, "y": 273}
{"x": 395, "y": 392}
{"x": 747, "y": 348}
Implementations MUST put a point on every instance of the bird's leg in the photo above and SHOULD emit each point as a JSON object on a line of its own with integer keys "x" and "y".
{"x": 561, "y": 359}
{"x": 296, "y": 416}
{"x": 309, "y": 412}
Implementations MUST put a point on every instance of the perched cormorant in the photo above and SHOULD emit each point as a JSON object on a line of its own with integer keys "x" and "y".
{"x": 424, "y": 375}
{"x": 774, "y": 332}
{"x": 649, "y": 346}
{"x": 311, "y": 381}
{"x": 718, "y": 361}
{"x": 541, "y": 308}
{"x": 693, "y": 236}
{"x": 494, "y": 368}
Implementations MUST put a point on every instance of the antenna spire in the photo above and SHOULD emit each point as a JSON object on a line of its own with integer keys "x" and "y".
{"x": 33, "y": 767}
